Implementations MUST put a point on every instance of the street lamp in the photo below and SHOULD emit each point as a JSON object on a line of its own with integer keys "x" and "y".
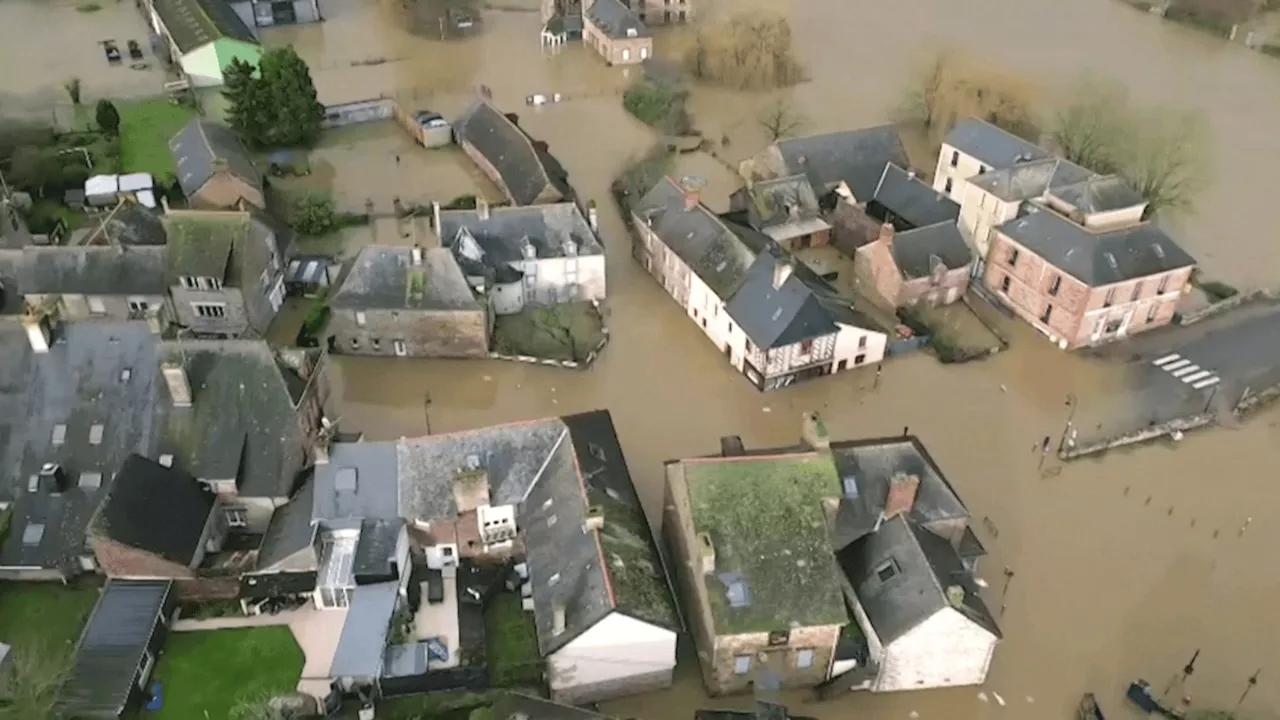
{"x": 426, "y": 410}
{"x": 1072, "y": 403}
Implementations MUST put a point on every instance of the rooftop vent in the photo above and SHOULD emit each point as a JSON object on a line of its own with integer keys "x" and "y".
{"x": 631, "y": 32}
{"x": 345, "y": 480}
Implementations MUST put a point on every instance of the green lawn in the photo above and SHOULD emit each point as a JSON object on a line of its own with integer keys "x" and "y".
{"x": 206, "y": 673}
{"x": 42, "y": 622}
{"x": 145, "y": 129}
{"x": 562, "y": 332}
{"x": 512, "y": 643}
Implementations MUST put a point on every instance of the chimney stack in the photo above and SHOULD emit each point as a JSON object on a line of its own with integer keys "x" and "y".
{"x": 692, "y": 188}
{"x": 482, "y": 208}
{"x": 53, "y": 477}
{"x": 902, "y": 495}
{"x": 911, "y": 174}
{"x": 416, "y": 254}
{"x": 435, "y": 218}
{"x": 706, "y": 554}
{"x": 782, "y": 270}
{"x": 886, "y": 234}
{"x": 175, "y": 376}
{"x": 813, "y": 431}
{"x": 593, "y": 217}
{"x": 471, "y": 486}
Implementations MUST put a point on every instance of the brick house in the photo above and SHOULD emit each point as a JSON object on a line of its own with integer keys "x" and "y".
{"x": 1084, "y": 269}
{"x": 215, "y": 170}
{"x": 408, "y": 302}
{"x": 786, "y": 209}
{"x": 520, "y": 166}
{"x": 929, "y": 264}
{"x": 615, "y": 32}
{"x": 225, "y": 271}
{"x": 154, "y": 522}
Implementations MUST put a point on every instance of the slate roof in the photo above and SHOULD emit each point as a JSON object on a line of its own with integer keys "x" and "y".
{"x": 554, "y": 468}
{"x": 200, "y": 148}
{"x": 773, "y": 557}
{"x": 805, "y": 307}
{"x": 615, "y": 19}
{"x": 1096, "y": 259}
{"x": 1031, "y": 179}
{"x": 509, "y": 150}
{"x": 548, "y": 228}
{"x": 195, "y": 23}
{"x": 519, "y": 706}
{"x": 991, "y": 145}
{"x": 783, "y": 208}
{"x": 924, "y": 565}
{"x": 907, "y": 197}
{"x": 118, "y": 270}
{"x": 363, "y": 642}
{"x": 383, "y": 277}
{"x": 243, "y": 420}
{"x": 289, "y": 543}
{"x": 201, "y": 244}
{"x": 698, "y": 237}
{"x": 155, "y": 509}
{"x": 61, "y": 395}
{"x": 1099, "y": 194}
{"x": 110, "y": 649}
{"x": 866, "y": 467}
{"x": 857, "y": 157}
{"x": 376, "y": 550}
{"x": 914, "y": 251}
{"x": 369, "y": 468}
{"x": 128, "y": 223}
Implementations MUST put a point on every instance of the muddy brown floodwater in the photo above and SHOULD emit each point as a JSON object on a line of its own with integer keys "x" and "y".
{"x": 1122, "y": 567}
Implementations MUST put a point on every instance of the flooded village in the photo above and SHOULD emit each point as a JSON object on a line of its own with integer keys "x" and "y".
{"x": 487, "y": 275}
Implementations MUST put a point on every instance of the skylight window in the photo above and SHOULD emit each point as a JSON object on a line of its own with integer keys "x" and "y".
{"x": 346, "y": 480}
{"x": 95, "y": 434}
{"x": 887, "y": 571}
{"x": 59, "y": 434}
{"x": 32, "y": 534}
{"x": 91, "y": 480}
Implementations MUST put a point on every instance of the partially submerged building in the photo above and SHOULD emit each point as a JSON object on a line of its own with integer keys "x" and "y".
{"x": 215, "y": 170}
{"x": 202, "y": 37}
{"x": 519, "y": 165}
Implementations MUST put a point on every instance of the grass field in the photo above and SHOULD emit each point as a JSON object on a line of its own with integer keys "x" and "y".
{"x": 207, "y": 673}
{"x": 145, "y": 130}
{"x": 42, "y": 622}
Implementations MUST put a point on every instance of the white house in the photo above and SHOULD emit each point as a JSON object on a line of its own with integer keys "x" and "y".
{"x": 975, "y": 147}
{"x": 528, "y": 255}
{"x": 774, "y": 319}
{"x": 203, "y": 37}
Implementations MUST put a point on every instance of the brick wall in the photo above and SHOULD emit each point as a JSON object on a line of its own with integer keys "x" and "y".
{"x": 638, "y": 49}
{"x": 442, "y": 333}
{"x": 952, "y": 284}
{"x": 117, "y": 560}
{"x": 874, "y": 261}
{"x": 851, "y": 228}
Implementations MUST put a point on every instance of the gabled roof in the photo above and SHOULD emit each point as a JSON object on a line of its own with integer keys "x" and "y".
{"x": 765, "y": 518}
{"x": 856, "y": 157}
{"x": 1096, "y": 259}
{"x": 195, "y": 23}
{"x": 991, "y": 145}
{"x": 110, "y": 650}
{"x": 383, "y": 277}
{"x": 243, "y": 420}
{"x": 1098, "y": 194}
{"x": 901, "y": 574}
{"x": 511, "y": 152}
{"x": 155, "y": 509}
{"x": 1030, "y": 179}
{"x": 289, "y": 543}
{"x": 554, "y": 470}
{"x": 903, "y": 194}
{"x": 783, "y": 208}
{"x": 615, "y": 19}
{"x": 202, "y": 148}
{"x": 916, "y": 251}
{"x": 128, "y": 223}
{"x": 97, "y": 270}
{"x": 502, "y": 237}
{"x": 697, "y": 236}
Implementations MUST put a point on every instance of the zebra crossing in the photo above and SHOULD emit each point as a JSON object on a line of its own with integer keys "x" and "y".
{"x": 1187, "y": 371}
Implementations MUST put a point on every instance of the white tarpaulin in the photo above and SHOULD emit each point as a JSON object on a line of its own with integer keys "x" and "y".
{"x": 133, "y": 182}
{"x": 146, "y": 198}
{"x": 102, "y": 185}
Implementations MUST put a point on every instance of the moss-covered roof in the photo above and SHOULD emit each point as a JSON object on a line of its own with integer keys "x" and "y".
{"x": 635, "y": 570}
{"x": 200, "y": 245}
{"x": 767, "y": 525}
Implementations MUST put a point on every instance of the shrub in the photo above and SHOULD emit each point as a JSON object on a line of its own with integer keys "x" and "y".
{"x": 313, "y": 214}
{"x": 462, "y": 202}
{"x": 750, "y": 51}
{"x": 660, "y": 105}
{"x": 1218, "y": 290}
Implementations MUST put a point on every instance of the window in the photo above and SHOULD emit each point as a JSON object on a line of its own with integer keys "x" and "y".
{"x": 804, "y": 658}
{"x": 1056, "y": 285}
{"x": 1048, "y": 312}
{"x": 982, "y": 169}
{"x": 208, "y": 283}
{"x": 399, "y": 347}
{"x": 730, "y": 328}
{"x": 862, "y": 341}
{"x": 237, "y": 517}
{"x": 210, "y": 310}
{"x": 96, "y": 306}
{"x": 886, "y": 571}
{"x": 1164, "y": 285}
{"x": 91, "y": 480}
{"x": 779, "y": 637}
{"x": 860, "y": 358}
{"x": 806, "y": 347}
{"x": 946, "y": 188}
{"x": 1137, "y": 291}
{"x": 187, "y": 282}
{"x": 95, "y": 434}
{"x": 376, "y": 343}
{"x": 1110, "y": 299}
{"x": 360, "y": 319}
{"x": 1151, "y": 312}
{"x": 139, "y": 304}
{"x": 626, "y": 55}
{"x": 144, "y": 671}
{"x": 1004, "y": 284}
{"x": 555, "y": 578}
{"x": 335, "y": 597}
{"x": 59, "y": 434}
{"x": 955, "y": 158}
{"x": 355, "y": 343}
{"x": 644, "y": 52}
{"x": 741, "y": 664}
{"x": 1013, "y": 257}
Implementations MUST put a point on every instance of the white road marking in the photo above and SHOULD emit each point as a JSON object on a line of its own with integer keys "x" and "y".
{"x": 1188, "y": 379}
{"x": 1185, "y": 371}
{"x": 1175, "y": 365}
{"x": 1206, "y": 383}
{"x": 1166, "y": 359}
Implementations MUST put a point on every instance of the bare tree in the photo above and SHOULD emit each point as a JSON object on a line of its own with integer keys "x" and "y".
{"x": 780, "y": 120}
{"x": 950, "y": 87}
{"x": 750, "y": 51}
{"x": 36, "y": 672}
{"x": 1091, "y": 128}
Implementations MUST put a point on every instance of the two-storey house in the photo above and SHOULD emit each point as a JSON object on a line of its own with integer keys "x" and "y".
{"x": 117, "y": 282}
{"x": 786, "y": 209}
{"x": 615, "y": 32}
{"x": 975, "y": 147}
{"x": 225, "y": 271}
{"x": 774, "y": 319}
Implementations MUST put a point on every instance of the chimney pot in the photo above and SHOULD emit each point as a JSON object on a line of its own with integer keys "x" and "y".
{"x": 901, "y": 497}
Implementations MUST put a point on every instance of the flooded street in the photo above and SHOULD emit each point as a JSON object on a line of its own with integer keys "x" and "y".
{"x": 1122, "y": 567}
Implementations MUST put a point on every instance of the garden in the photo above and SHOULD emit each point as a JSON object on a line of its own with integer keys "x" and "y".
{"x": 42, "y": 623}
{"x": 571, "y": 332}
{"x": 512, "y": 652}
{"x": 221, "y": 673}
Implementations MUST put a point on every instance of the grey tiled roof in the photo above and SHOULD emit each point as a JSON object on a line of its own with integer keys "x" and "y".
{"x": 363, "y": 641}
{"x": 198, "y": 149}
{"x": 914, "y": 251}
{"x": 157, "y": 510}
{"x": 615, "y": 19}
{"x": 926, "y": 565}
{"x": 195, "y": 23}
{"x": 781, "y": 201}
{"x": 855, "y": 156}
{"x": 915, "y": 202}
{"x": 371, "y": 469}
{"x": 549, "y": 228}
{"x": 1098, "y": 194}
{"x": 1031, "y": 179}
{"x": 991, "y": 145}
{"x": 289, "y": 543}
{"x": 118, "y": 270}
{"x": 699, "y": 238}
{"x": 508, "y": 149}
{"x": 384, "y": 277}
{"x": 127, "y": 224}
{"x": 1096, "y": 259}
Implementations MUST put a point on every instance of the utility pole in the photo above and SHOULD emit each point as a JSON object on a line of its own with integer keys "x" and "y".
{"x": 1066, "y": 430}
{"x": 426, "y": 410}
{"x": 1008, "y": 577}
{"x": 1253, "y": 680}
{"x": 1186, "y": 673}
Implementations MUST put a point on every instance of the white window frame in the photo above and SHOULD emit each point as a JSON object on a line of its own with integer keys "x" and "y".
{"x": 741, "y": 664}
{"x": 334, "y": 598}
{"x": 212, "y": 309}
{"x": 145, "y": 668}
{"x": 139, "y": 304}
{"x": 237, "y": 516}
{"x": 361, "y": 318}
{"x": 188, "y": 282}
{"x": 804, "y": 658}
{"x": 401, "y": 349}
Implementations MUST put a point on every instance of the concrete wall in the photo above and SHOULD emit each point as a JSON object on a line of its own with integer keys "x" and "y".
{"x": 778, "y": 660}
{"x": 857, "y": 346}
{"x": 980, "y": 212}
{"x": 563, "y": 279}
{"x": 426, "y": 333}
{"x": 947, "y": 650}
{"x": 618, "y": 656}
{"x": 966, "y": 166}
{"x": 947, "y": 288}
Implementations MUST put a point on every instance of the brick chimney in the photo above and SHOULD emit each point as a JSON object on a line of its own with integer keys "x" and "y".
{"x": 902, "y": 494}
{"x": 471, "y": 486}
{"x": 691, "y": 187}
{"x": 886, "y": 235}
